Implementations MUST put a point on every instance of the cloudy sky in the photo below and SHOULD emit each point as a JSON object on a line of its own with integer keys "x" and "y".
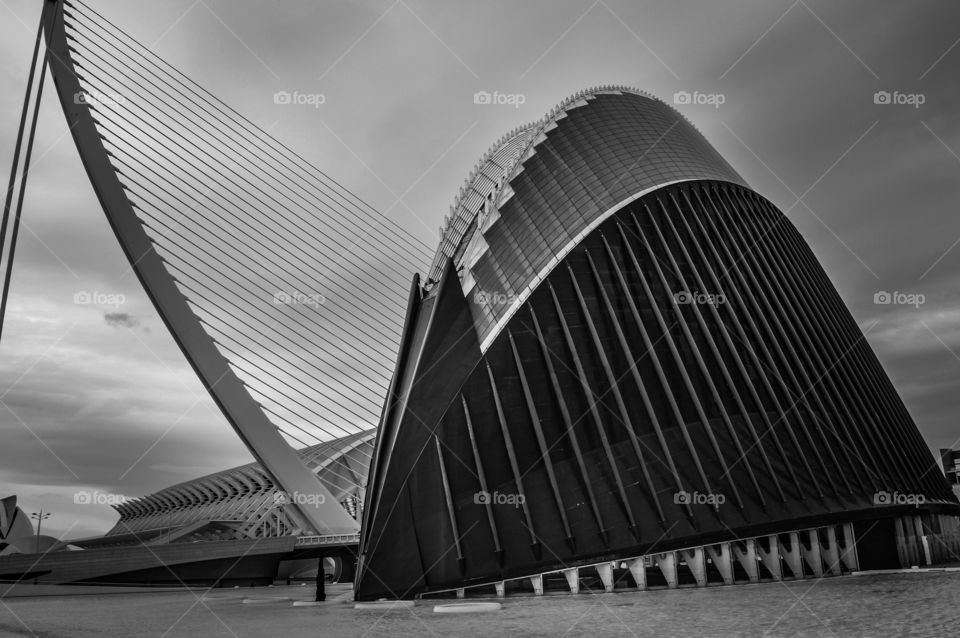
{"x": 100, "y": 398}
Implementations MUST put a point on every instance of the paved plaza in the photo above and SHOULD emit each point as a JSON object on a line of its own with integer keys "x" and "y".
{"x": 857, "y": 606}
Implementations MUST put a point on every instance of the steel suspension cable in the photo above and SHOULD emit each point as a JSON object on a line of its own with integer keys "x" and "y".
{"x": 15, "y": 230}
{"x": 200, "y": 295}
{"x": 24, "y": 112}
{"x": 389, "y": 344}
{"x": 259, "y": 137}
{"x": 212, "y": 119}
{"x": 225, "y": 175}
{"x": 232, "y": 227}
{"x": 368, "y": 455}
{"x": 215, "y": 246}
{"x": 252, "y": 293}
{"x": 381, "y": 333}
{"x": 280, "y": 392}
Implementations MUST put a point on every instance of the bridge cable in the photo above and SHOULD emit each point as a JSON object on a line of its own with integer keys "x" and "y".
{"x": 15, "y": 230}
{"x": 8, "y": 199}
{"x": 260, "y": 136}
{"x": 238, "y": 217}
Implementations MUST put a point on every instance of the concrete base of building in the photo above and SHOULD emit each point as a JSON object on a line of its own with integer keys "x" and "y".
{"x": 924, "y": 540}
{"x": 890, "y": 544}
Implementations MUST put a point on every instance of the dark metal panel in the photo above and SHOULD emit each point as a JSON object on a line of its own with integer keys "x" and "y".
{"x": 381, "y": 452}
{"x": 541, "y": 443}
{"x": 860, "y": 369}
{"x": 801, "y": 351}
{"x": 654, "y": 259}
{"x": 732, "y": 350}
{"x": 597, "y": 421}
{"x": 768, "y": 340}
{"x": 481, "y": 475}
{"x": 760, "y": 343}
{"x": 568, "y": 426}
{"x": 871, "y": 373}
{"x": 809, "y": 348}
{"x": 634, "y": 373}
{"x": 614, "y": 389}
{"x": 791, "y": 361}
{"x": 694, "y": 347}
{"x": 448, "y": 499}
{"x": 665, "y": 329}
{"x": 512, "y": 456}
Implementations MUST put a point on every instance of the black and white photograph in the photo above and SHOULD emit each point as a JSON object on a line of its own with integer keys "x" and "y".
{"x": 442, "y": 318}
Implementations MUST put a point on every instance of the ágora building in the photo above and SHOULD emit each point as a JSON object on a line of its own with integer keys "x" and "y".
{"x": 625, "y": 363}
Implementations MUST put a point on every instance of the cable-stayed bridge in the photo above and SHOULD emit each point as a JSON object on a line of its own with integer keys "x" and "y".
{"x": 280, "y": 286}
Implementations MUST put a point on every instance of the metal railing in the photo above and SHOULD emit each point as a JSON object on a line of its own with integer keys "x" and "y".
{"x": 329, "y": 539}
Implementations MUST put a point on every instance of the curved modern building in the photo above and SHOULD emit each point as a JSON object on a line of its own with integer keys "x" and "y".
{"x": 235, "y": 527}
{"x": 16, "y": 531}
{"x": 625, "y": 357}
{"x": 243, "y": 502}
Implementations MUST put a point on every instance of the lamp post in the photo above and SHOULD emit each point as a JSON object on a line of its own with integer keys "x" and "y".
{"x": 39, "y": 517}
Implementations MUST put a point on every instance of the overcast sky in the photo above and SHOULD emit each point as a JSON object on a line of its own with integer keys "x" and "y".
{"x": 95, "y": 398}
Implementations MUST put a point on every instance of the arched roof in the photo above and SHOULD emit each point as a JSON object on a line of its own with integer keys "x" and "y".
{"x": 603, "y": 145}
{"x": 235, "y": 493}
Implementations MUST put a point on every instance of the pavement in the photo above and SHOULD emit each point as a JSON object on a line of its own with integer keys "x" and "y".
{"x": 918, "y": 604}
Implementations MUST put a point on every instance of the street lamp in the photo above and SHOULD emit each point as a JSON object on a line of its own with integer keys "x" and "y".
{"x": 39, "y": 517}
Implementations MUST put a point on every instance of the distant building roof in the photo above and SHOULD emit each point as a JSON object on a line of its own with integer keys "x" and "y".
{"x": 246, "y": 496}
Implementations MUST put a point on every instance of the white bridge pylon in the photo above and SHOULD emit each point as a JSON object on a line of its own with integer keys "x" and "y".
{"x": 321, "y": 513}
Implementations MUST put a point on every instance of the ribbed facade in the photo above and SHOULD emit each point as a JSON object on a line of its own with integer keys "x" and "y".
{"x": 247, "y": 498}
{"x": 683, "y": 374}
{"x": 587, "y": 156}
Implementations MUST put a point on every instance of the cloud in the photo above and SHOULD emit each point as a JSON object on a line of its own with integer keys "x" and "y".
{"x": 120, "y": 320}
